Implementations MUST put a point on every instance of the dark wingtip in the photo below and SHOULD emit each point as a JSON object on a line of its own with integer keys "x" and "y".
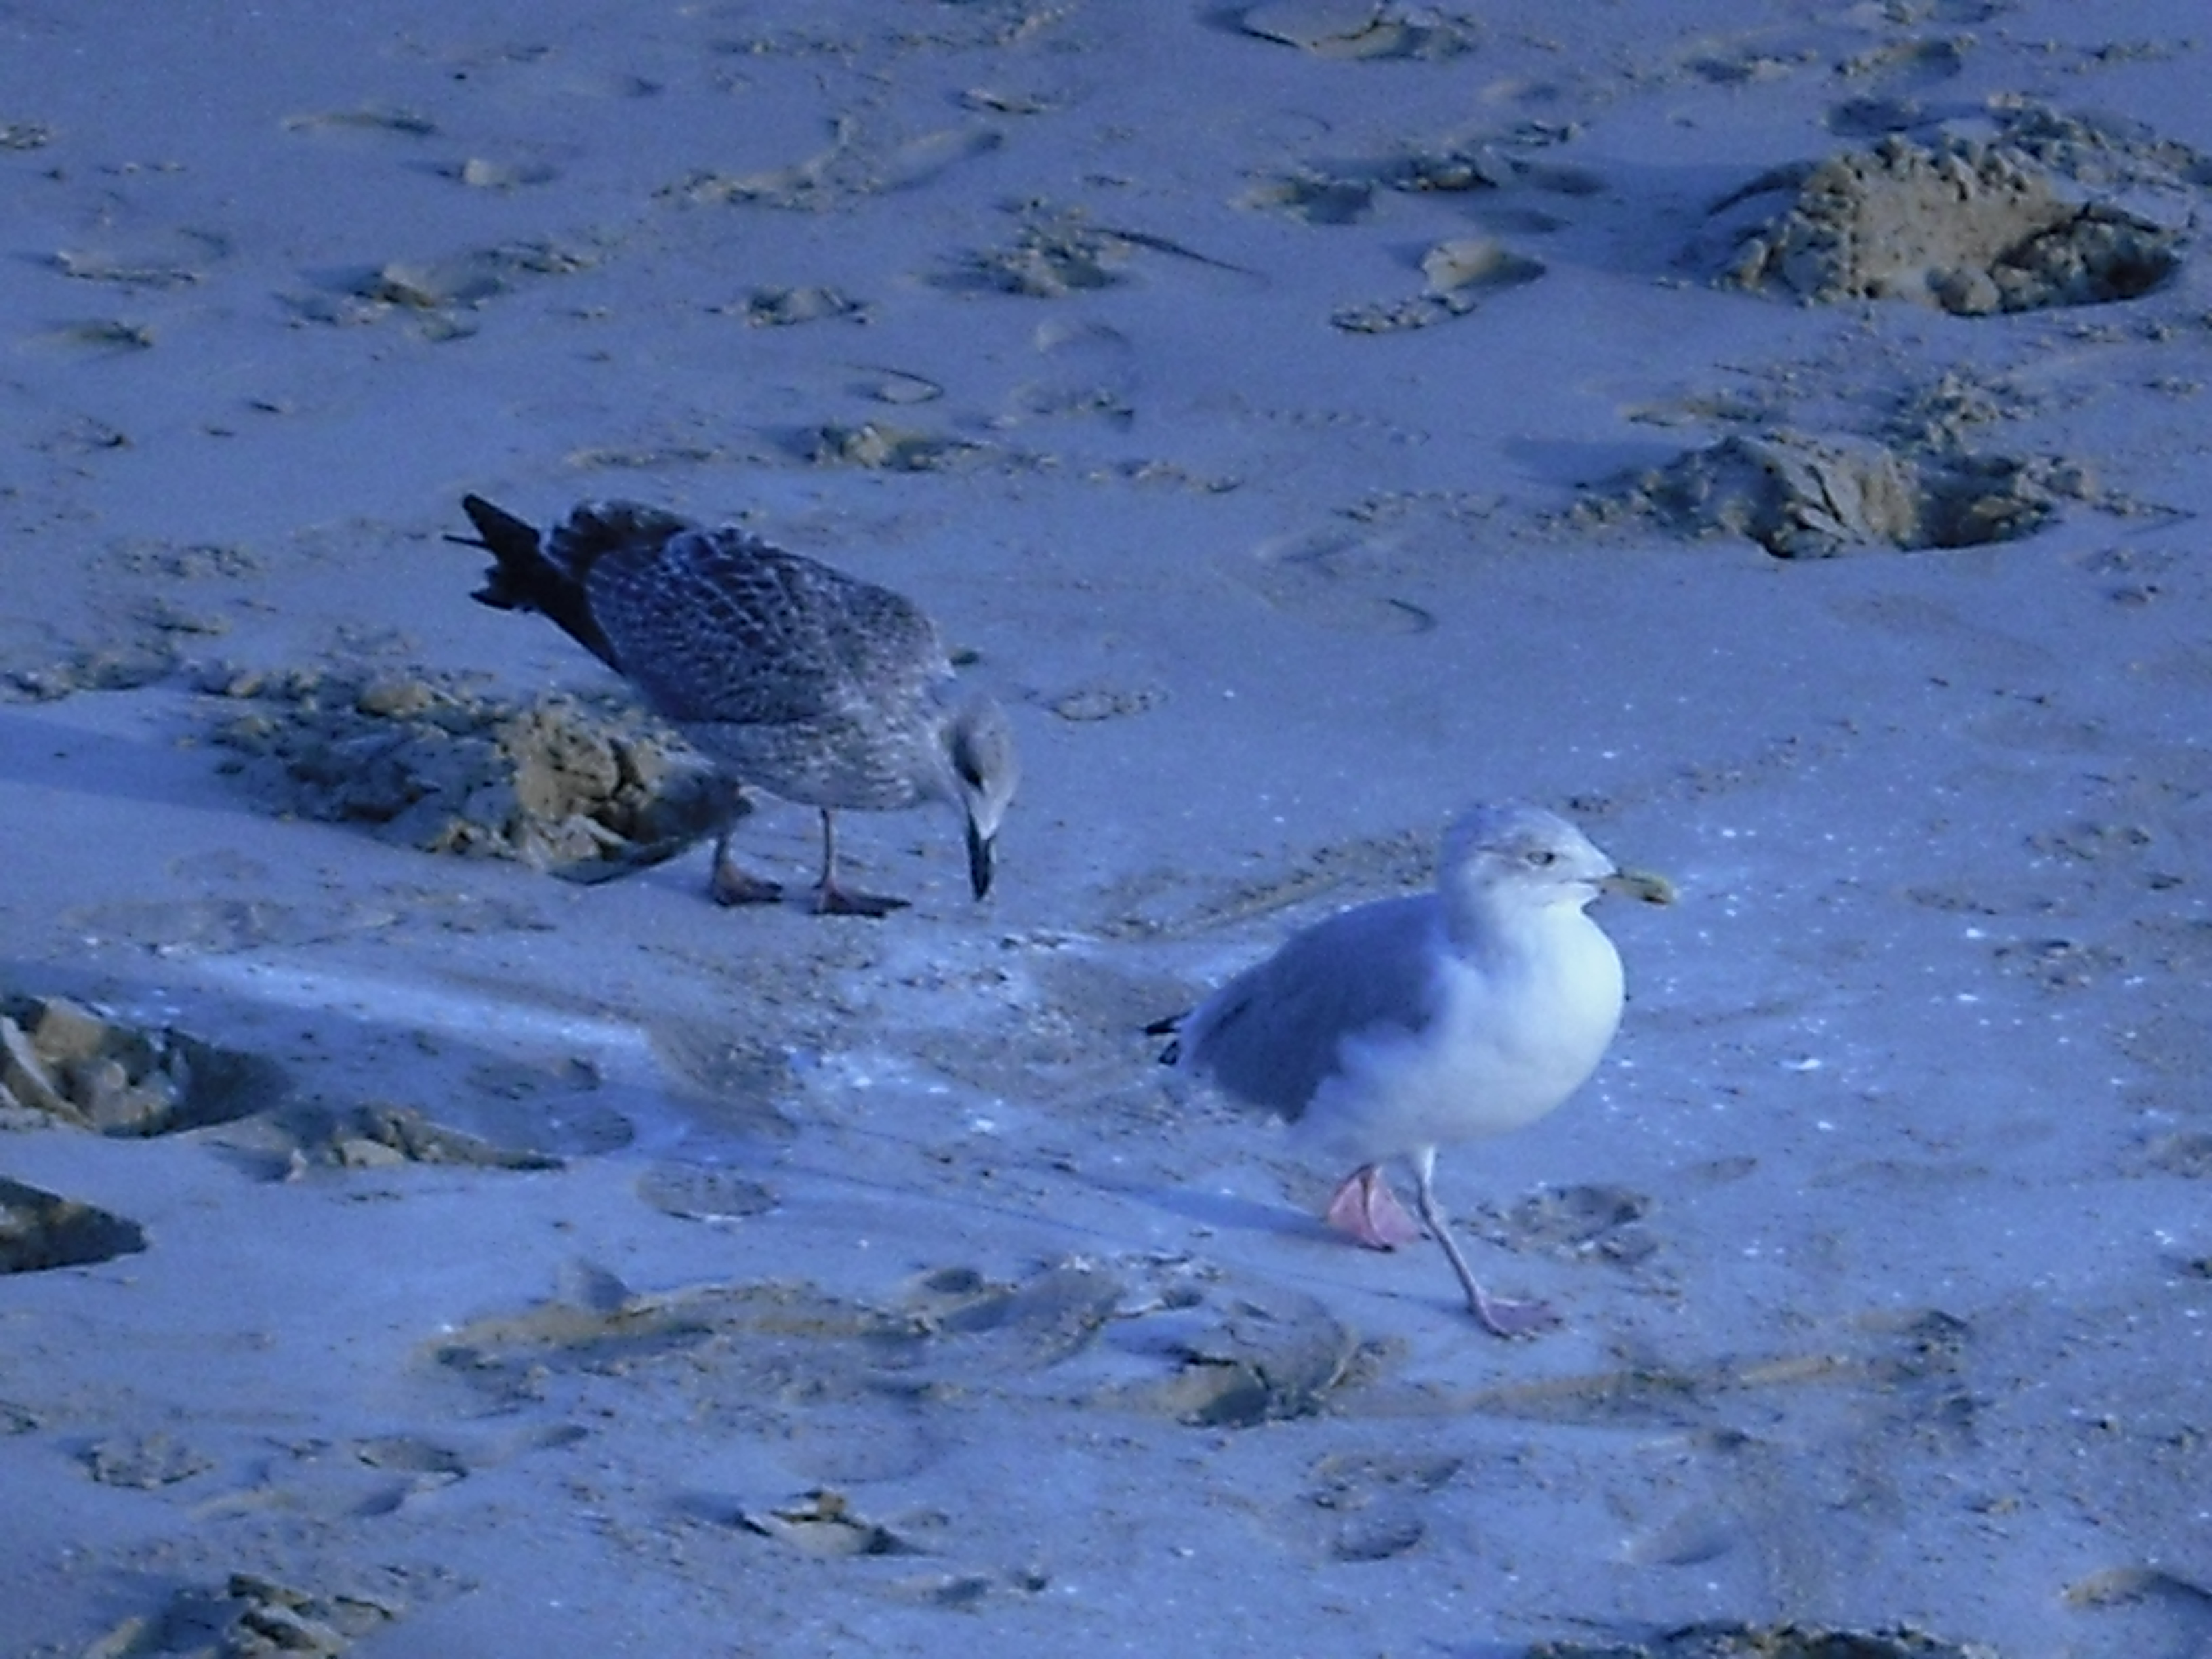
{"x": 501, "y": 531}
{"x": 1168, "y": 1026}
{"x": 514, "y": 549}
{"x": 523, "y": 578}
{"x": 982, "y": 861}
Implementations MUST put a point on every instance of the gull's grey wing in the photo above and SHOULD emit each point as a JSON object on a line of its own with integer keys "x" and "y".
{"x": 718, "y": 626}
{"x": 1270, "y": 1035}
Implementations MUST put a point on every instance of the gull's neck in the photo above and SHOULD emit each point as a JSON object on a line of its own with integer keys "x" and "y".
{"x": 1497, "y": 925}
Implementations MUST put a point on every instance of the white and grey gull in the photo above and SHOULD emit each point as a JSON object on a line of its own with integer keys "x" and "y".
{"x": 1395, "y": 1028}
{"x": 790, "y": 676}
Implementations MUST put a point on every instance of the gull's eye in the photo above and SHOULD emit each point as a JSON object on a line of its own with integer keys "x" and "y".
{"x": 1542, "y": 858}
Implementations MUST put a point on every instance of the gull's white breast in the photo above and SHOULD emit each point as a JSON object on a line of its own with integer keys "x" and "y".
{"x": 1506, "y": 1041}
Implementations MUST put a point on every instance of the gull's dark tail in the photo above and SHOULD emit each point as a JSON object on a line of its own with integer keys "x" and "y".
{"x": 525, "y": 578}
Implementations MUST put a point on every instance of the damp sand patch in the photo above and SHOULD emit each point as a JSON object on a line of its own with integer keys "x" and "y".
{"x": 140, "y": 641}
{"x": 585, "y": 788}
{"x": 1149, "y": 1336}
{"x": 2050, "y": 212}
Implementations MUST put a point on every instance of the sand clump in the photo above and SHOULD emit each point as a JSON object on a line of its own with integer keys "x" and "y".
{"x": 1460, "y": 273}
{"x": 66, "y": 1062}
{"x": 585, "y": 790}
{"x": 249, "y": 1614}
{"x": 880, "y": 446}
{"x": 1052, "y": 256}
{"x": 1807, "y": 495}
{"x": 62, "y": 1060}
{"x": 1341, "y": 190}
{"x": 440, "y": 294}
{"x": 1971, "y": 227}
{"x": 1358, "y": 29}
{"x": 1729, "y": 1639}
{"x": 41, "y": 1231}
{"x": 381, "y": 1136}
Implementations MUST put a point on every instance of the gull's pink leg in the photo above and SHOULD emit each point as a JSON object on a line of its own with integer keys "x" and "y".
{"x": 831, "y": 899}
{"x": 1366, "y": 1207}
{"x": 1501, "y": 1315}
{"x": 730, "y": 885}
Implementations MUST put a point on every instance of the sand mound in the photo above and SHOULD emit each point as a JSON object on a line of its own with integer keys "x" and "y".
{"x": 586, "y": 791}
{"x": 1970, "y": 227}
{"x": 1801, "y": 496}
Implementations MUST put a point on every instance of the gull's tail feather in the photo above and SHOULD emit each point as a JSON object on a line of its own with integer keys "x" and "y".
{"x": 523, "y": 579}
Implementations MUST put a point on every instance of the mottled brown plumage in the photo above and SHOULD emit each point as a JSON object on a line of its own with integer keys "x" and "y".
{"x": 789, "y": 675}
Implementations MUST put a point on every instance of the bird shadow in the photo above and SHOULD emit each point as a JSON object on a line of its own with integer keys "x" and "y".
{"x": 1224, "y": 1211}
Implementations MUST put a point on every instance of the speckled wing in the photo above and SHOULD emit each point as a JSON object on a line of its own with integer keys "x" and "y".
{"x": 609, "y": 529}
{"x": 1271, "y": 1037}
{"x": 717, "y": 626}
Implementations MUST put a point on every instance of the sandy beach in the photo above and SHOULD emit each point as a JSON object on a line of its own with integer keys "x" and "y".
{"x": 1774, "y": 436}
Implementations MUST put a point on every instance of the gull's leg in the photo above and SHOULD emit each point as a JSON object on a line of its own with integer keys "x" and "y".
{"x": 729, "y": 884}
{"x": 1501, "y": 1315}
{"x": 1366, "y": 1207}
{"x": 831, "y": 899}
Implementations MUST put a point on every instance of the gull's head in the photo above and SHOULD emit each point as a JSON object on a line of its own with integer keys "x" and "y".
{"x": 979, "y": 746}
{"x": 1520, "y": 859}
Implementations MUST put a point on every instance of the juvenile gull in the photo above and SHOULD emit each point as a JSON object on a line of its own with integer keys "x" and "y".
{"x": 1395, "y": 1028}
{"x": 788, "y": 675}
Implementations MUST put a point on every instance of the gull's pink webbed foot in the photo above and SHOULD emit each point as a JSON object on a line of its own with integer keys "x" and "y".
{"x": 1505, "y": 1316}
{"x": 1366, "y": 1207}
{"x": 831, "y": 900}
{"x": 730, "y": 886}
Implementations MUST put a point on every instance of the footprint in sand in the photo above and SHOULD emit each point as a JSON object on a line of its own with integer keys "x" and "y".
{"x": 1333, "y": 579}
